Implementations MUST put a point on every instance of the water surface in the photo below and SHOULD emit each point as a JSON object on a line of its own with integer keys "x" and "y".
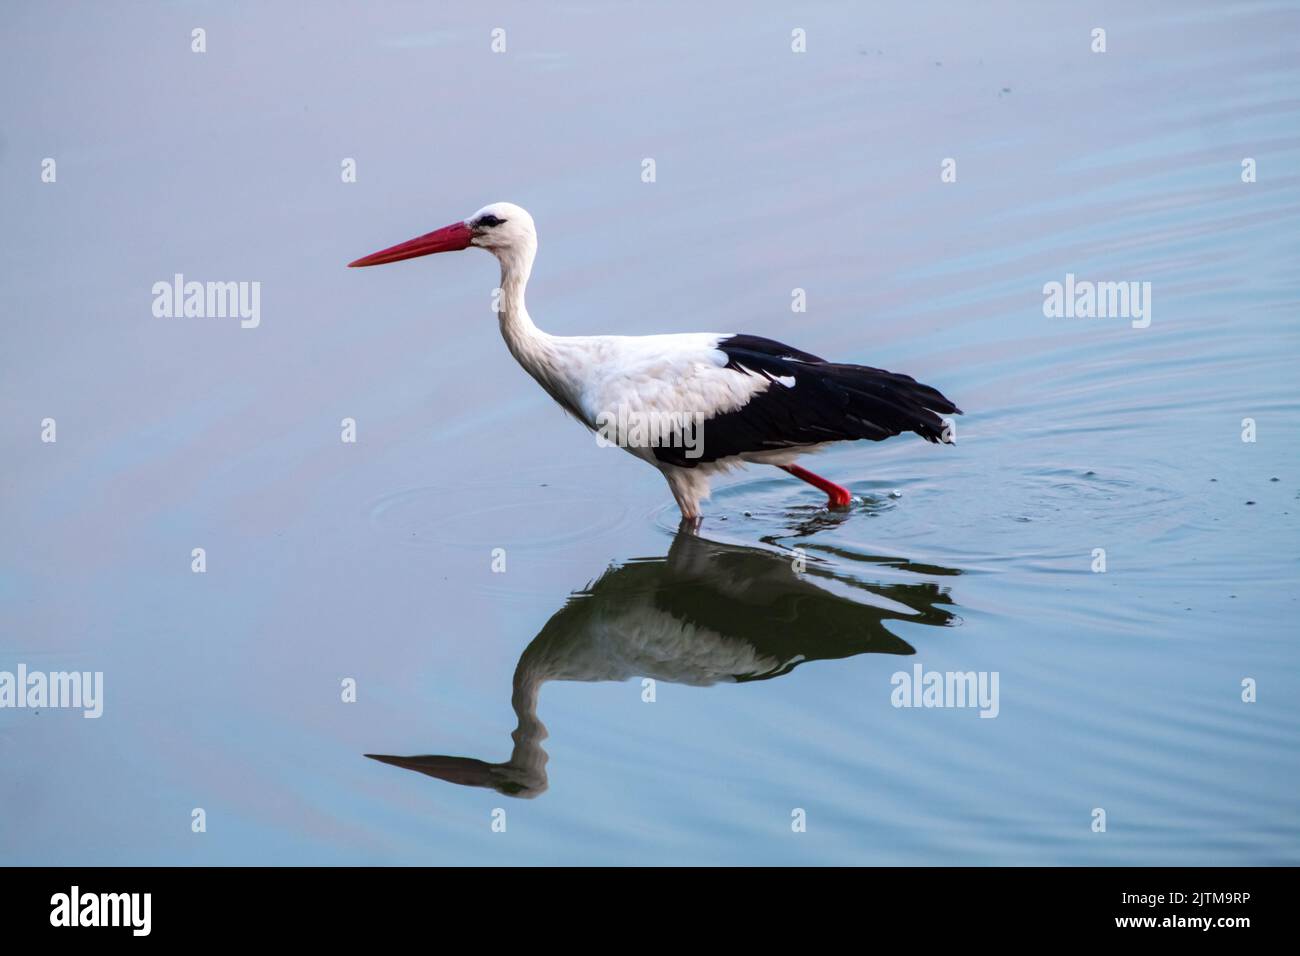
{"x": 771, "y": 688}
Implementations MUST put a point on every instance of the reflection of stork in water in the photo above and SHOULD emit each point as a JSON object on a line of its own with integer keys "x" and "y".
{"x": 706, "y": 613}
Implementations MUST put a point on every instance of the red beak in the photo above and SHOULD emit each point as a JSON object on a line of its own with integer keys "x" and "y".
{"x": 447, "y": 239}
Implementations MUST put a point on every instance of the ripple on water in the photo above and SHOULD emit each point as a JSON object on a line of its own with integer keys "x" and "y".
{"x": 987, "y": 516}
{"x": 1117, "y": 493}
{"x": 762, "y": 510}
{"x": 778, "y": 514}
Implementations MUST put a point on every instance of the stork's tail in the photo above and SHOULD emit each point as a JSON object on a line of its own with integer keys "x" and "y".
{"x": 883, "y": 403}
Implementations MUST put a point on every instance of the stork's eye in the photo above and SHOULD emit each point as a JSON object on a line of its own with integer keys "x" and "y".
{"x": 489, "y": 220}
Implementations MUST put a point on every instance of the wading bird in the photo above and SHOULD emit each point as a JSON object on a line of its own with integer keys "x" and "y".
{"x": 746, "y": 398}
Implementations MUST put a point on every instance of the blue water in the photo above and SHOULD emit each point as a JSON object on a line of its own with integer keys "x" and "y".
{"x": 372, "y": 561}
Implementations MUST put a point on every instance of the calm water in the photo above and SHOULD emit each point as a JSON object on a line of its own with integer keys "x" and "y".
{"x": 775, "y": 170}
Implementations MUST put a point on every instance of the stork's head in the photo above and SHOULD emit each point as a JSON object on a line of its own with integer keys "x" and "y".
{"x": 502, "y": 228}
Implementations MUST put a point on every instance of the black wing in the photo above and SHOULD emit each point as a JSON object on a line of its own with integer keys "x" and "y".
{"x": 827, "y": 401}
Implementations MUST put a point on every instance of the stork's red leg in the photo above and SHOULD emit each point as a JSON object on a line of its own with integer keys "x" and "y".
{"x": 837, "y": 497}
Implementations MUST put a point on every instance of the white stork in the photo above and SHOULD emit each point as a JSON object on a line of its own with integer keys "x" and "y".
{"x": 755, "y": 400}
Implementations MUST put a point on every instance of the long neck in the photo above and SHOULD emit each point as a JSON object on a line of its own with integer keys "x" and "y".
{"x": 541, "y": 355}
{"x": 517, "y": 328}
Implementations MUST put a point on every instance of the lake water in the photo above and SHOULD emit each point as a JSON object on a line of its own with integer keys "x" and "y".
{"x": 520, "y": 696}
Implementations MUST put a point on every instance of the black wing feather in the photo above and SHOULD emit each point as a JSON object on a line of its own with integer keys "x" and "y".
{"x": 830, "y": 401}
